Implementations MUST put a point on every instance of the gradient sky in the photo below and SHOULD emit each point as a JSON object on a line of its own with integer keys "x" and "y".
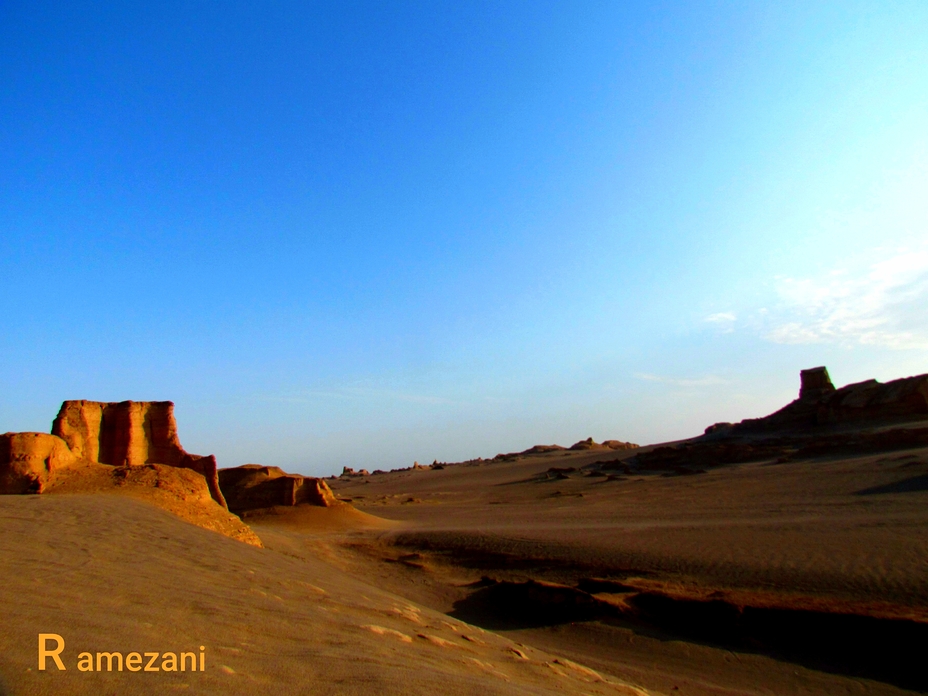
{"x": 362, "y": 234}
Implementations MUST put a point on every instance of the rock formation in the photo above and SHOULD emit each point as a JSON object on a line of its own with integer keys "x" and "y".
{"x": 253, "y": 487}
{"x": 29, "y": 460}
{"x": 815, "y": 383}
{"x": 863, "y": 417}
{"x": 128, "y": 447}
{"x": 348, "y": 472}
{"x": 128, "y": 433}
{"x": 820, "y": 404}
{"x": 590, "y": 444}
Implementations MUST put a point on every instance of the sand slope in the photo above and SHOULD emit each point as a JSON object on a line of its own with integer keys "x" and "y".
{"x": 114, "y": 573}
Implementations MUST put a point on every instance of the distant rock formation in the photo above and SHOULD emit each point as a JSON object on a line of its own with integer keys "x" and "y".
{"x": 858, "y": 418}
{"x": 588, "y": 444}
{"x": 253, "y": 487}
{"x": 619, "y": 445}
{"x": 541, "y": 449}
{"x": 820, "y": 404}
{"x": 815, "y": 383}
{"x": 348, "y": 472}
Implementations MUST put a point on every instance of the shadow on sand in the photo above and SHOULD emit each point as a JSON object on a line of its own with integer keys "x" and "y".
{"x": 909, "y": 485}
{"x": 886, "y": 650}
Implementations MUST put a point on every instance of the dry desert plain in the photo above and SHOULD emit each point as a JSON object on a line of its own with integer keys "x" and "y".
{"x": 786, "y": 555}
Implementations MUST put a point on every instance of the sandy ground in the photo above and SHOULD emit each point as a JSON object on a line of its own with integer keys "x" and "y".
{"x": 113, "y": 573}
{"x": 846, "y": 536}
{"x": 382, "y": 598}
{"x": 812, "y": 528}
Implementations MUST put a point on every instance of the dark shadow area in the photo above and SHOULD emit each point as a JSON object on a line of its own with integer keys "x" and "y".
{"x": 552, "y": 474}
{"x": 886, "y": 650}
{"x": 909, "y": 485}
{"x": 510, "y": 605}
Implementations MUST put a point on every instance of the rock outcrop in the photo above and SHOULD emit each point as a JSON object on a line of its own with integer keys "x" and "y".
{"x": 590, "y": 444}
{"x": 28, "y": 461}
{"x": 128, "y": 433}
{"x": 864, "y": 417}
{"x": 130, "y": 448}
{"x": 253, "y": 487}
{"x": 820, "y": 404}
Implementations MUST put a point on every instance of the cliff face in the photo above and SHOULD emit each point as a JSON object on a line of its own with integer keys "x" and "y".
{"x": 125, "y": 433}
{"x": 128, "y": 433}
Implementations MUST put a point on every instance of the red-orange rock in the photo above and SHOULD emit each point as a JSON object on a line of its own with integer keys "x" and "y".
{"x": 29, "y": 460}
{"x": 130, "y": 433}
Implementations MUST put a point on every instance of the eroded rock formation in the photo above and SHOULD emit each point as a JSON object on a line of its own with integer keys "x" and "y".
{"x": 861, "y": 418}
{"x": 588, "y": 444}
{"x": 348, "y": 472}
{"x": 29, "y": 460}
{"x": 820, "y": 404}
{"x": 128, "y": 433}
{"x": 253, "y": 487}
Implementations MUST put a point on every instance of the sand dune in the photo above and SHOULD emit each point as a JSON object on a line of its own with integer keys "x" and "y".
{"x": 110, "y": 573}
{"x": 780, "y": 555}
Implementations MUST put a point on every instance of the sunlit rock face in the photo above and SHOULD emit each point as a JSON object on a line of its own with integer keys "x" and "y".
{"x": 29, "y": 460}
{"x": 123, "y": 434}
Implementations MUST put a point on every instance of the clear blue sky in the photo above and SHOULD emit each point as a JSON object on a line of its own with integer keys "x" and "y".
{"x": 352, "y": 233}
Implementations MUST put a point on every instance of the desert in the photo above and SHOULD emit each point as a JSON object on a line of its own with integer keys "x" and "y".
{"x": 443, "y": 348}
{"x": 785, "y": 554}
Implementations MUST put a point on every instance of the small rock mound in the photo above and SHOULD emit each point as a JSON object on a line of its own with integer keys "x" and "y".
{"x": 348, "y": 472}
{"x": 590, "y": 444}
{"x": 253, "y": 487}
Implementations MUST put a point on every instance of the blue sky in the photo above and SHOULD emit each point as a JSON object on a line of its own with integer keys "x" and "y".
{"x": 364, "y": 234}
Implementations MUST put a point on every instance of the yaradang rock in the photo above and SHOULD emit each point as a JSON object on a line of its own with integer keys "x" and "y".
{"x": 869, "y": 402}
{"x": 590, "y": 444}
{"x": 130, "y": 433}
{"x": 29, "y": 460}
{"x": 619, "y": 445}
{"x": 253, "y": 487}
{"x": 863, "y": 417}
{"x": 542, "y": 449}
{"x": 348, "y": 472}
{"x": 129, "y": 447}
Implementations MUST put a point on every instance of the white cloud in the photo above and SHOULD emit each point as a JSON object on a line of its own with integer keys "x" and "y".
{"x": 883, "y": 304}
{"x": 707, "y": 381}
{"x": 723, "y": 321}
